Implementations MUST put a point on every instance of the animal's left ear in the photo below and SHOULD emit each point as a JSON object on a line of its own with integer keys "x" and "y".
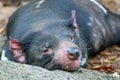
{"x": 17, "y": 48}
{"x": 73, "y": 22}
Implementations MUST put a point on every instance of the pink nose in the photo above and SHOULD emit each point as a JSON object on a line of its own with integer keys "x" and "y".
{"x": 73, "y": 53}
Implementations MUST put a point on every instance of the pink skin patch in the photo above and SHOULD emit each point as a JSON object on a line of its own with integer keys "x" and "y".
{"x": 73, "y": 65}
{"x": 18, "y": 55}
{"x": 21, "y": 59}
{"x": 16, "y": 47}
{"x": 61, "y": 57}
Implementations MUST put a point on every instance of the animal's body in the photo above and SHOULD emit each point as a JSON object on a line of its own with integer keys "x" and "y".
{"x": 60, "y": 34}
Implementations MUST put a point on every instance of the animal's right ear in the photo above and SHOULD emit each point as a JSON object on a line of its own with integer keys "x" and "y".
{"x": 17, "y": 48}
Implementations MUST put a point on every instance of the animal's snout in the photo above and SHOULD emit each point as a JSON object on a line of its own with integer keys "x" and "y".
{"x": 73, "y": 53}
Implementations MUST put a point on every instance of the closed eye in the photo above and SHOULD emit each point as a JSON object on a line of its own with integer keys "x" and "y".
{"x": 47, "y": 51}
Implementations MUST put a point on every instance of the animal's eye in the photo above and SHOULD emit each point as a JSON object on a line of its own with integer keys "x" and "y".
{"x": 72, "y": 38}
{"x": 47, "y": 49}
{"x": 71, "y": 35}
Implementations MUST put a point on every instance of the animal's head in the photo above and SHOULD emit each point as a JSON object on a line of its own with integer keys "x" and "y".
{"x": 57, "y": 46}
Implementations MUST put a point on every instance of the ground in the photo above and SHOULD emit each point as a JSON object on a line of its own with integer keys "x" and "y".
{"x": 108, "y": 61}
{"x": 14, "y": 71}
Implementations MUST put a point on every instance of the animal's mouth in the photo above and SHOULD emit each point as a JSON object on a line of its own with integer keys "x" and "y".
{"x": 72, "y": 66}
{"x": 53, "y": 65}
{"x": 62, "y": 63}
{"x": 69, "y": 65}
{"x": 65, "y": 61}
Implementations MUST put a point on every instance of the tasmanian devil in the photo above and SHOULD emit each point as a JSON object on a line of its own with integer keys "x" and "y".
{"x": 60, "y": 34}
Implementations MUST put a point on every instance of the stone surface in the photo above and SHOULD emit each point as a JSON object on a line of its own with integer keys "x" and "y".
{"x": 15, "y": 71}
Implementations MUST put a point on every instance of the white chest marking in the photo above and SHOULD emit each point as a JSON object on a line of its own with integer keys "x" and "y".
{"x": 97, "y": 3}
{"x": 39, "y": 3}
{"x": 3, "y": 57}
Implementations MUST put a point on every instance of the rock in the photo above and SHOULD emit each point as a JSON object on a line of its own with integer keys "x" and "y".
{"x": 15, "y": 71}
{"x": 2, "y": 41}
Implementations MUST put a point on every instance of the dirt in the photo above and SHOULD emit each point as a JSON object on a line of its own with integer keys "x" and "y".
{"x": 108, "y": 61}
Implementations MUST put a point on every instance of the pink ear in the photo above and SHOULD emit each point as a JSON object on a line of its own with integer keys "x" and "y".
{"x": 73, "y": 12}
{"x": 16, "y": 47}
